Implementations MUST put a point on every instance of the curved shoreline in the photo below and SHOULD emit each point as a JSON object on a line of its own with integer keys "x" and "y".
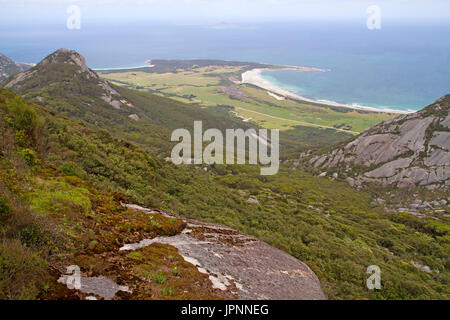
{"x": 255, "y": 78}
{"x": 118, "y": 69}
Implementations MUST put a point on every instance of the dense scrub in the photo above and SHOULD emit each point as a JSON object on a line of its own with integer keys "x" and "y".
{"x": 337, "y": 231}
{"x": 52, "y": 217}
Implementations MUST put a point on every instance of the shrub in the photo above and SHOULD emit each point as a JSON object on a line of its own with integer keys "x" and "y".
{"x": 5, "y": 207}
{"x": 24, "y": 116}
{"x": 155, "y": 224}
{"x": 32, "y": 236}
{"x": 159, "y": 278}
{"x": 30, "y": 157}
{"x": 22, "y": 273}
{"x": 23, "y": 120}
{"x": 68, "y": 169}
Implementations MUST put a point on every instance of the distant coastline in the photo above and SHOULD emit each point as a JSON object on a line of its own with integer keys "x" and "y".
{"x": 119, "y": 68}
{"x": 255, "y": 78}
{"x": 286, "y": 67}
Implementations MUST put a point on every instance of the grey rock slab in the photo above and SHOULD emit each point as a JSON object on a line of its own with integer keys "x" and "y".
{"x": 390, "y": 168}
{"x": 441, "y": 139}
{"x": 254, "y": 269}
{"x": 438, "y": 158}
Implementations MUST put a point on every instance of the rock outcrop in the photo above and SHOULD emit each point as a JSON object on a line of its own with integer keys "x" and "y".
{"x": 9, "y": 67}
{"x": 249, "y": 268}
{"x": 227, "y": 264}
{"x": 409, "y": 150}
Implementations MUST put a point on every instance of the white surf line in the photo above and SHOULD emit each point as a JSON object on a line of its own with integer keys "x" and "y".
{"x": 299, "y": 122}
{"x": 255, "y": 78}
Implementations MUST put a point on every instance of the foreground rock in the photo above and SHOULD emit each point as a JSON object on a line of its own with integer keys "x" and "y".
{"x": 152, "y": 254}
{"x": 251, "y": 269}
{"x": 410, "y": 150}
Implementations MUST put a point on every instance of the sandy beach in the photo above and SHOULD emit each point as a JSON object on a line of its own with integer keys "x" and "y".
{"x": 255, "y": 78}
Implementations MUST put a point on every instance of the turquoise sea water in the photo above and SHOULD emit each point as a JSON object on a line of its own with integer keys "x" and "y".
{"x": 401, "y": 66}
{"x": 390, "y": 82}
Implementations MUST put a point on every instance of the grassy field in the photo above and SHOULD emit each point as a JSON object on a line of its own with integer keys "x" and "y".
{"x": 210, "y": 86}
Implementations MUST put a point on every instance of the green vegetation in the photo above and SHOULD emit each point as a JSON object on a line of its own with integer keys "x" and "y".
{"x": 175, "y": 271}
{"x": 4, "y": 206}
{"x": 328, "y": 225}
{"x": 152, "y": 266}
{"x": 57, "y": 196}
{"x": 73, "y": 188}
{"x": 159, "y": 277}
{"x": 49, "y": 215}
{"x": 167, "y": 291}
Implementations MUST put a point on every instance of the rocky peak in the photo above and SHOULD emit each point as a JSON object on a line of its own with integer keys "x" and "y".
{"x": 53, "y": 71}
{"x": 5, "y": 60}
{"x": 66, "y": 56}
{"x": 411, "y": 149}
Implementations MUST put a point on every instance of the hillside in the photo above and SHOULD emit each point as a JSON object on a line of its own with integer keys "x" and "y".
{"x": 53, "y": 217}
{"x": 63, "y": 83}
{"x": 9, "y": 67}
{"x": 407, "y": 151}
{"x": 65, "y": 181}
{"x": 70, "y": 71}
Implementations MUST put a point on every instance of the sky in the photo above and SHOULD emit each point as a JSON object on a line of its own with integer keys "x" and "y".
{"x": 220, "y": 11}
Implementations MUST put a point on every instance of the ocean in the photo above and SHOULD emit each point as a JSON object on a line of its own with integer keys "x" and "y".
{"x": 403, "y": 66}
